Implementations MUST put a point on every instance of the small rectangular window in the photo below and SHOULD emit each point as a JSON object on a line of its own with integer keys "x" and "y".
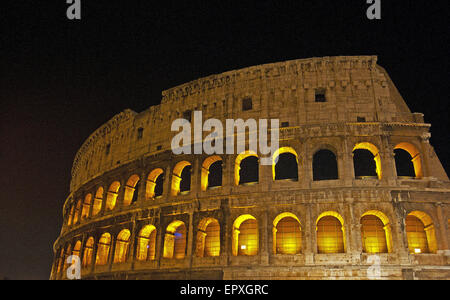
{"x": 284, "y": 124}
{"x": 247, "y": 104}
{"x": 108, "y": 149}
{"x": 158, "y": 147}
{"x": 140, "y": 133}
{"x": 320, "y": 95}
{"x": 360, "y": 119}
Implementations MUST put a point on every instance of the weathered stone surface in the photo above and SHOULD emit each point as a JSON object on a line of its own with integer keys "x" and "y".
{"x": 355, "y": 87}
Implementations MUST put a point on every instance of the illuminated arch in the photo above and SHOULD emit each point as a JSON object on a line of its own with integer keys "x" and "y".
{"x": 330, "y": 233}
{"x": 122, "y": 246}
{"x": 276, "y": 160}
{"x": 103, "y": 249}
{"x": 175, "y": 240}
{"x": 146, "y": 243}
{"x": 86, "y": 206}
{"x": 287, "y": 238}
{"x": 208, "y": 238}
{"x": 76, "y": 250}
{"x": 152, "y": 184}
{"x": 245, "y": 237}
{"x": 111, "y": 195}
{"x": 70, "y": 217}
{"x": 325, "y": 166}
{"x": 131, "y": 190}
{"x": 237, "y": 164}
{"x": 376, "y": 233}
{"x": 177, "y": 177}
{"x": 415, "y": 157}
{"x": 88, "y": 251}
{"x": 206, "y": 172}
{"x": 420, "y": 233}
{"x": 77, "y": 212}
{"x": 97, "y": 201}
{"x": 376, "y": 155}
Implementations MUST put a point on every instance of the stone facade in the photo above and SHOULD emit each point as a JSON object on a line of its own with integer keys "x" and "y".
{"x": 362, "y": 107}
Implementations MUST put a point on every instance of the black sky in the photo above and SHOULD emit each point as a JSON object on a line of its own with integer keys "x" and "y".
{"x": 62, "y": 79}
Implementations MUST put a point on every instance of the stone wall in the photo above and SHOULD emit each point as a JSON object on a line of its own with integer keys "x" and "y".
{"x": 355, "y": 88}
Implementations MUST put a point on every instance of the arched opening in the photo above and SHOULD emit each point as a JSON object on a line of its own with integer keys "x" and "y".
{"x": 245, "y": 236}
{"x": 325, "y": 165}
{"x": 103, "y": 247}
{"x": 76, "y": 250}
{"x": 420, "y": 233}
{"x": 70, "y": 217}
{"x": 376, "y": 232}
{"x": 77, "y": 212}
{"x": 211, "y": 172}
{"x": 287, "y": 236}
{"x": 122, "y": 246}
{"x": 131, "y": 190}
{"x": 97, "y": 202}
{"x": 208, "y": 238}
{"x": 86, "y": 206}
{"x": 285, "y": 164}
{"x": 146, "y": 244}
{"x": 403, "y": 164}
{"x": 155, "y": 182}
{"x": 175, "y": 240}
{"x": 330, "y": 233}
{"x": 246, "y": 168}
{"x": 408, "y": 161}
{"x": 185, "y": 184}
{"x": 366, "y": 161}
{"x": 111, "y": 197}
{"x": 88, "y": 251}
{"x": 181, "y": 179}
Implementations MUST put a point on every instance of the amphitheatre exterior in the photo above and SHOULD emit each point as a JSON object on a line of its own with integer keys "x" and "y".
{"x": 137, "y": 211}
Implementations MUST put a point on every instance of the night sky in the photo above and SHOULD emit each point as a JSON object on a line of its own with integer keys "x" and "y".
{"x": 61, "y": 79}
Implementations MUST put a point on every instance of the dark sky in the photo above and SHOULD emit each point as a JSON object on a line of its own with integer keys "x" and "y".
{"x": 62, "y": 79}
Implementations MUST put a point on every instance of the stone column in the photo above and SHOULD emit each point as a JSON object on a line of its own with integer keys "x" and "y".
{"x": 141, "y": 186}
{"x": 355, "y": 231}
{"x": 159, "y": 244}
{"x": 305, "y": 167}
{"x": 265, "y": 178}
{"x": 443, "y": 234}
{"x": 348, "y": 169}
{"x": 112, "y": 251}
{"x": 389, "y": 173}
{"x": 94, "y": 253}
{"x": 310, "y": 237}
{"x": 225, "y": 172}
{"x": 264, "y": 247}
{"x": 121, "y": 195}
{"x": 225, "y": 235}
{"x": 400, "y": 241}
{"x": 132, "y": 241}
{"x": 167, "y": 188}
{"x": 190, "y": 241}
{"x": 195, "y": 177}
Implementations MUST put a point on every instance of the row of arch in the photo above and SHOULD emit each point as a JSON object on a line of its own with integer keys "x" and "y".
{"x": 376, "y": 237}
{"x": 367, "y": 163}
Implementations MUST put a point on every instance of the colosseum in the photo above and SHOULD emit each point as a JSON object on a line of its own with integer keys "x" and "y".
{"x": 355, "y": 190}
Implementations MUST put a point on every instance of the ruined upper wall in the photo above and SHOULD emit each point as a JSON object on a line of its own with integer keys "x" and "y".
{"x": 355, "y": 87}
